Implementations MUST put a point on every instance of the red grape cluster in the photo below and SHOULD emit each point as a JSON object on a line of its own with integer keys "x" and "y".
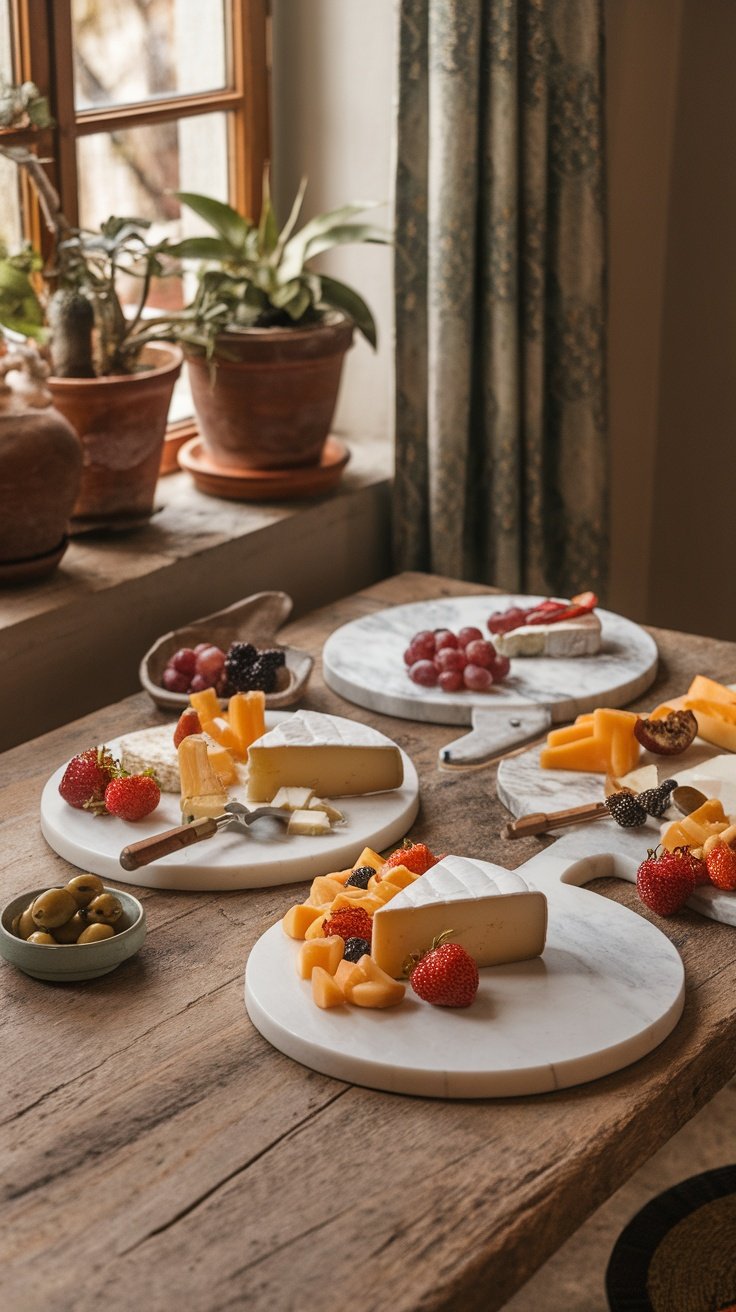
{"x": 454, "y": 662}
{"x": 192, "y": 669}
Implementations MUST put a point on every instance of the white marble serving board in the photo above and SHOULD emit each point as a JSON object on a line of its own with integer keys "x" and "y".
{"x": 261, "y": 857}
{"x": 364, "y": 662}
{"x": 525, "y": 788}
{"x": 608, "y": 989}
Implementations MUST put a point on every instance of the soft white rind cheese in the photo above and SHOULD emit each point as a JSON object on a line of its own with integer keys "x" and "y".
{"x": 310, "y": 750}
{"x": 496, "y": 917}
{"x": 580, "y": 636}
{"x": 152, "y": 749}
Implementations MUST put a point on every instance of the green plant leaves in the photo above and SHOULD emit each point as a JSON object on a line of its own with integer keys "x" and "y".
{"x": 340, "y": 297}
{"x": 231, "y": 226}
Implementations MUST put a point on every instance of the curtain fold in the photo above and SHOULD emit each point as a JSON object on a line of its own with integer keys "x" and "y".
{"x": 501, "y": 462}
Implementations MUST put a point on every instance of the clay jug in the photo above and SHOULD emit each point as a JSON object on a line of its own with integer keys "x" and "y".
{"x": 40, "y": 470}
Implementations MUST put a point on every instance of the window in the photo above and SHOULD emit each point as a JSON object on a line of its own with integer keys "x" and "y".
{"x": 149, "y": 97}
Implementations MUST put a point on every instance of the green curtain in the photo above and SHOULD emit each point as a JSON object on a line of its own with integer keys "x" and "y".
{"x": 501, "y": 465}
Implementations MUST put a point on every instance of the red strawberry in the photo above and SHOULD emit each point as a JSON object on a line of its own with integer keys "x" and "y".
{"x": 132, "y": 796}
{"x": 666, "y": 880}
{"x": 446, "y": 975}
{"x": 721, "y": 866}
{"x": 187, "y": 723}
{"x": 349, "y": 922}
{"x": 415, "y": 856}
{"x": 86, "y": 777}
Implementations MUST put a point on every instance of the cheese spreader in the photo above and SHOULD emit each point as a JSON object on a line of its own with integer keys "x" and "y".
{"x": 235, "y": 816}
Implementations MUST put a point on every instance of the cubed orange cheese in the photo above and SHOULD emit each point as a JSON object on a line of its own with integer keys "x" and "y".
{"x": 609, "y": 746}
{"x": 222, "y": 763}
{"x": 326, "y": 992}
{"x": 246, "y": 713}
{"x": 298, "y": 918}
{"x": 324, "y": 952}
{"x": 206, "y": 704}
{"x": 219, "y": 729}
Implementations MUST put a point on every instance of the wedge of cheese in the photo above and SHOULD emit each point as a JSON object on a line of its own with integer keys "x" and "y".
{"x": 580, "y": 636}
{"x": 152, "y": 749}
{"x": 335, "y": 758}
{"x": 490, "y": 911}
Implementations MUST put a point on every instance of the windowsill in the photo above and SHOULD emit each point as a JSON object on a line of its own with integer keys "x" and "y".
{"x": 73, "y": 642}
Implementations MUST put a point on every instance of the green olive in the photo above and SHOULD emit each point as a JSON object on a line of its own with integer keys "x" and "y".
{"x": 94, "y": 933}
{"x": 84, "y": 888}
{"x": 105, "y": 909}
{"x": 52, "y": 908}
{"x": 40, "y": 936}
{"x": 26, "y": 924}
{"x": 69, "y": 933}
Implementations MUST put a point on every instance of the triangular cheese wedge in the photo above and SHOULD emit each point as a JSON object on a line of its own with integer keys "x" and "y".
{"x": 335, "y": 758}
{"x": 491, "y": 911}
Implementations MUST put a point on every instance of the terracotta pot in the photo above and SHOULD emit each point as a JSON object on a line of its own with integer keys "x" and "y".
{"x": 40, "y": 471}
{"x": 267, "y": 400}
{"x": 121, "y": 423}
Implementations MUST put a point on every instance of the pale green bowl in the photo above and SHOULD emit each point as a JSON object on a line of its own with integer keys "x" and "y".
{"x": 72, "y": 961}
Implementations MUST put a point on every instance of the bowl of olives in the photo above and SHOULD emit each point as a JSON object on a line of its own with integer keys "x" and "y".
{"x": 74, "y": 932}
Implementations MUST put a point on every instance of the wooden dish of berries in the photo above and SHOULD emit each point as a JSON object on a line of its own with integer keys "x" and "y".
{"x": 232, "y": 650}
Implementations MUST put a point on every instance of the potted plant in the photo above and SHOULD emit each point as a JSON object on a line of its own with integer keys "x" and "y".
{"x": 266, "y": 335}
{"x": 111, "y": 376}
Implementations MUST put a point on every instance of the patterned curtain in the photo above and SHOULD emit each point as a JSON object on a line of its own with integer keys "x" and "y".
{"x": 501, "y": 466}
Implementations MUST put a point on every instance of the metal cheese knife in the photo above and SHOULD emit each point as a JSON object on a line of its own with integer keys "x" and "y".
{"x": 235, "y": 816}
{"x": 495, "y": 730}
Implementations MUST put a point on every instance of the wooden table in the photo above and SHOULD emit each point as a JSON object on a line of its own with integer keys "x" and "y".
{"x": 158, "y": 1153}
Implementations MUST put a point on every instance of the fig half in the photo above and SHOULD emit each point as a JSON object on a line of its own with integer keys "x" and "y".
{"x": 668, "y": 736}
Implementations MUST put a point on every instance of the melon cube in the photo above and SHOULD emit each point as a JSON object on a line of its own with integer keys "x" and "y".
{"x": 400, "y": 876}
{"x": 324, "y": 890}
{"x": 376, "y": 989}
{"x": 368, "y": 858}
{"x": 325, "y": 952}
{"x": 315, "y": 929}
{"x": 246, "y": 712}
{"x": 298, "y": 918}
{"x": 349, "y": 973}
{"x": 219, "y": 729}
{"x": 326, "y": 992}
{"x": 206, "y": 704}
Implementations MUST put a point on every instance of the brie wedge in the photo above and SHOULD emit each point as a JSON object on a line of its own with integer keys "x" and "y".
{"x": 316, "y": 751}
{"x": 489, "y": 910}
{"x": 580, "y": 636}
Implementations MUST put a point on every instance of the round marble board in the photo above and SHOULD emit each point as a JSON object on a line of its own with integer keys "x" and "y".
{"x": 608, "y": 989}
{"x": 525, "y": 788}
{"x": 261, "y": 857}
{"x": 364, "y": 662}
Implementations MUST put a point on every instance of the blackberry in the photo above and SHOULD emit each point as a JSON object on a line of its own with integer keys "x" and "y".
{"x": 360, "y": 877}
{"x": 656, "y": 800}
{"x": 239, "y": 662}
{"x": 269, "y": 662}
{"x": 626, "y": 810}
{"x": 355, "y": 948}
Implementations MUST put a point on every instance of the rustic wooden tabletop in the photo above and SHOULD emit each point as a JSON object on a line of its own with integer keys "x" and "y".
{"x": 158, "y": 1153}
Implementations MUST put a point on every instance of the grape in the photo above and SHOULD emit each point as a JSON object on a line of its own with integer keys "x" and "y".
{"x": 502, "y": 621}
{"x": 184, "y": 660}
{"x": 199, "y": 684}
{"x": 423, "y": 644}
{"x": 451, "y": 658}
{"x": 477, "y": 678}
{"x": 201, "y": 646}
{"x": 411, "y": 655}
{"x": 500, "y": 667}
{"x": 210, "y": 664}
{"x": 444, "y": 638}
{"x": 424, "y": 672}
{"x": 174, "y": 681}
{"x": 481, "y": 653}
{"x": 451, "y": 680}
{"x": 468, "y": 635}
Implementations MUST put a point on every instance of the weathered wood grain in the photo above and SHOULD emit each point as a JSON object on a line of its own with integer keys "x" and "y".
{"x": 158, "y": 1152}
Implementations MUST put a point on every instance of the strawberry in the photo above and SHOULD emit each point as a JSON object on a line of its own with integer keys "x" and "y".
{"x": 85, "y": 779}
{"x": 446, "y": 975}
{"x": 349, "y": 922}
{"x": 132, "y": 796}
{"x": 721, "y": 866}
{"x": 415, "y": 856}
{"x": 666, "y": 880}
{"x": 187, "y": 723}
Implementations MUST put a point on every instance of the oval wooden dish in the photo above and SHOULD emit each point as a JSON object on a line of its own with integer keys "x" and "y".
{"x": 255, "y": 619}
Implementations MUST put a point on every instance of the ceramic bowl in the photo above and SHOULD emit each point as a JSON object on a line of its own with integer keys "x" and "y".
{"x": 255, "y": 619}
{"x": 72, "y": 961}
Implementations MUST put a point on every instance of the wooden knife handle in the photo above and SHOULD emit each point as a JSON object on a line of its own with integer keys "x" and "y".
{"x": 540, "y": 823}
{"x": 173, "y": 840}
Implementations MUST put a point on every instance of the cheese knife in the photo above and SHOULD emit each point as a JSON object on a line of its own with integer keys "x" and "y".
{"x": 235, "y": 816}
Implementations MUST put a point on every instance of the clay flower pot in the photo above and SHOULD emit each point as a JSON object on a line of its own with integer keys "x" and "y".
{"x": 121, "y": 424}
{"x": 267, "y": 399}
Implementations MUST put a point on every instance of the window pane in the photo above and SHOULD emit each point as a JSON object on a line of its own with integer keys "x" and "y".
{"x": 131, "y": 50}
{"x": 11, "y": 233}
{"x": 6, "y": 50}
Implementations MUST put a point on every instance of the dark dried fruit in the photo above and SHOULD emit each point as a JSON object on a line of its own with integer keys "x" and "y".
{"x": 626, "y": 810}
{"x": 355, "y": 948}
{"x": 668, "y": 736}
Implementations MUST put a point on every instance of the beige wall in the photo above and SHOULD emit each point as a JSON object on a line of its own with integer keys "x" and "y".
{"x": 672, "y": 194}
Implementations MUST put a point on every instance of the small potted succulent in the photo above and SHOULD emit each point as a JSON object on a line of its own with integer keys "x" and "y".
{"x": 266, "y": 335}
{"x": 111, "y": 375}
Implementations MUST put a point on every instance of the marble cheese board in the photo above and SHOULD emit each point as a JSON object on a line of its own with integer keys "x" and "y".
{"x": 608, "y": 989}
{"x": 259, "y": 858}
{"x": 363, "y": 662}
{"x": 525, "y": 788}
